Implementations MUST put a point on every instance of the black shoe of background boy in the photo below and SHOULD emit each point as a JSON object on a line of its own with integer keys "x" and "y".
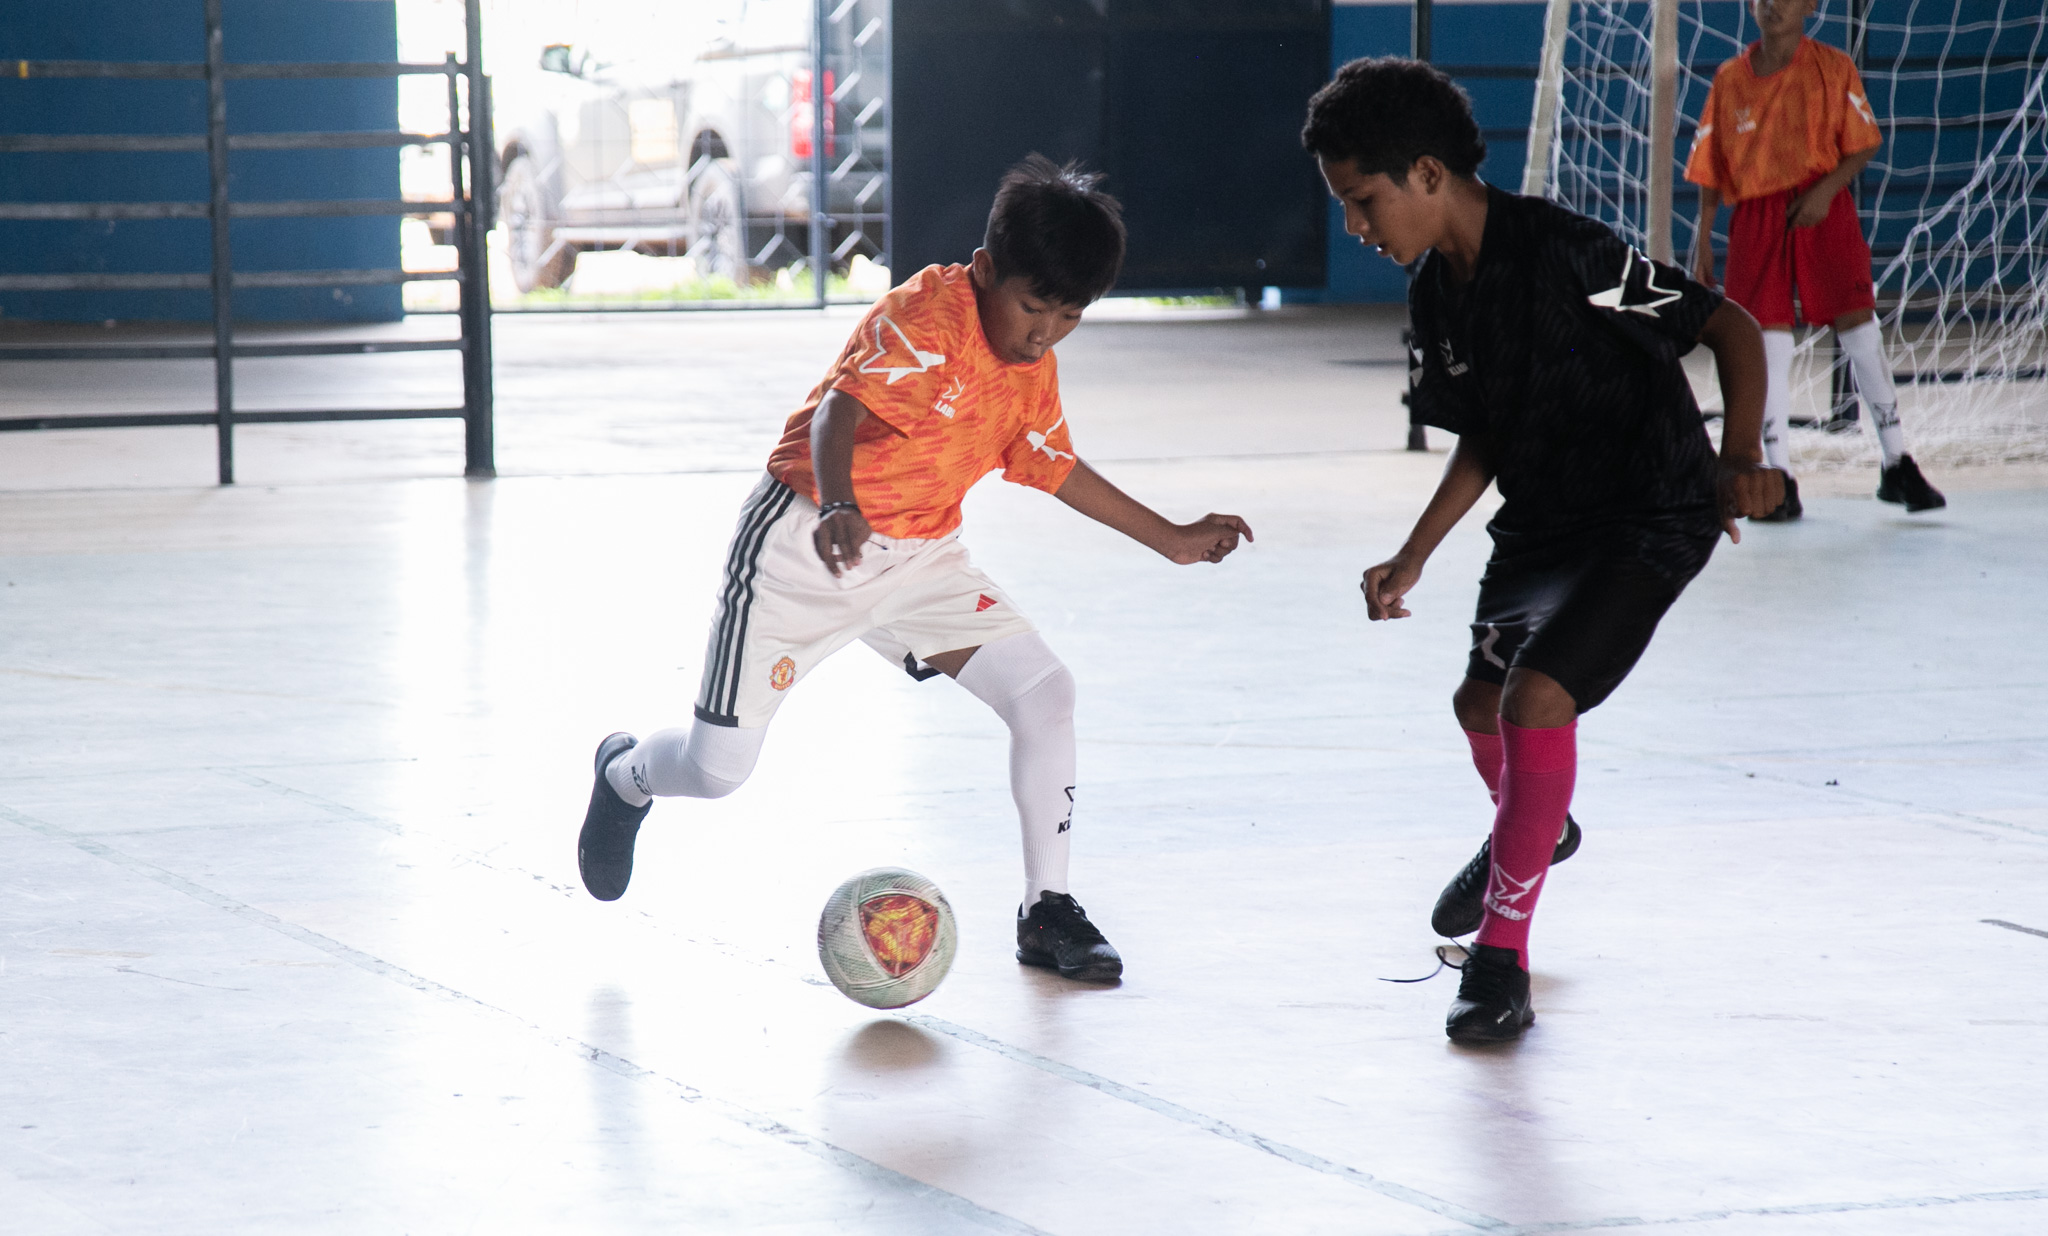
{"x": 1788, "y": 510}
{"x": 1493, "y": 998}
{"x": 1057, "y": 935}
{"x": 604, "y": 850}
{"x": 1902, "y": 483}
{"x": 1458, "y": 910}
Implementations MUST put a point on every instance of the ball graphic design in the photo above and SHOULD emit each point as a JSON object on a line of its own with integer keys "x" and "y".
{"x": 886, "y": 938}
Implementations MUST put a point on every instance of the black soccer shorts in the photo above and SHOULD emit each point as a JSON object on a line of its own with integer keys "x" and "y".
{"x": 1581, "y": 609}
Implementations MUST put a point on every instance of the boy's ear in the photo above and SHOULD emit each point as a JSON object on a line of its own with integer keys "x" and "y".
{"x": 982, "y": 269}
{"x": 1430, "y": 173}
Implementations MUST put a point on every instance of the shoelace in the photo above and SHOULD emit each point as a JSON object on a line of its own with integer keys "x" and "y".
{"x": 1066, "y": 914}
{"x": 1443, "y": 963}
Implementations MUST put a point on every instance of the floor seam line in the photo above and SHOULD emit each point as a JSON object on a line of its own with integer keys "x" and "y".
{"x": 1229, "y": 1132}
{"x": 370, "y": 963}
{"x": 1768, "y": 1212}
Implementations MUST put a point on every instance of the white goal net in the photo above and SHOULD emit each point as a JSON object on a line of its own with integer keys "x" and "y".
{"x": 1955, "y": 203}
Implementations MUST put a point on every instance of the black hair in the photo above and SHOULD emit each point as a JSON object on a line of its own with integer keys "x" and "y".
{"x": 1053, "y": 227}
{"x": 1385, "y": 112}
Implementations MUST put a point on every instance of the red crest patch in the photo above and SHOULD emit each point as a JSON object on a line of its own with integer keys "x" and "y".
{"x": 900, "y": 930}
{"x": 781, "y": 674}
{"x": 985, "y": 601}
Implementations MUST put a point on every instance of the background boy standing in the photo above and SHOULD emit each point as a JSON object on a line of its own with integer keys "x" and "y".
{"x": 853, "y": 535}
{"x": 1551, "y": 348}
{"x": 1787, "y": 127}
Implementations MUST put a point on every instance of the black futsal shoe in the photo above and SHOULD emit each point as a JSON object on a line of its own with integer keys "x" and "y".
{"x": 1493, "y": 998}
{"x": 1791, "y": 508}
{"x": 1458, "y": 910}
{"x": 1057, "y": 935}
{"x": 604, "y": 850}
{"x": 1902, "y": 484}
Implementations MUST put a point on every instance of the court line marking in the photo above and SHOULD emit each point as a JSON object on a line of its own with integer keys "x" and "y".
{"x": 865, "y": 1168}
{"x": 1765, "y": 1212}
{"x": 1066, "y": 1072}
{"x": 1230, "y": 1132}
{"x": 1999, "y": 922}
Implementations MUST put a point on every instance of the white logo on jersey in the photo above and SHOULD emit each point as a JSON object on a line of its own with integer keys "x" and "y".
{"x": 944, "y": 404}
{"x": 1486, "y": 647}
{"x": 1037, "y": 441}
{"x": 1744, "y": 122}
{"x": 920, "y": 360}
{"x": 1612, "y": 297}
{"x": 1452, "y": 364}
{"x": 1862, "y": 106}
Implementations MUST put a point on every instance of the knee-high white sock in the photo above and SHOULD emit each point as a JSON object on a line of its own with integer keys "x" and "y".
{"x": 704, "y": 761}
{"x": 1023, "y": 680}
{"x": 1777, "y": 399}
{"x": 1865, "y": 348}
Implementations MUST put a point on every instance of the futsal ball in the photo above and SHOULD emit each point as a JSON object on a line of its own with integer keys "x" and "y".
{"x": 886, "y": 938}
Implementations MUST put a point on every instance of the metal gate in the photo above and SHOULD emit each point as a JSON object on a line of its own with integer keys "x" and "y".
{"x": 468, "y": 140}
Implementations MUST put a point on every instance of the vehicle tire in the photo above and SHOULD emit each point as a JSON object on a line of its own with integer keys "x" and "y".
{"x": 538, "y": 260}
{"x": 718, "y": 223}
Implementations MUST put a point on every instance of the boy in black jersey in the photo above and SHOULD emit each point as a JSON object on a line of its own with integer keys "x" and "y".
{"x": 1551, "y": 348}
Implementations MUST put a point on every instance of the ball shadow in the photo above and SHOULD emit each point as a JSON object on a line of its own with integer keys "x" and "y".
{"x": 888, "y": 1045}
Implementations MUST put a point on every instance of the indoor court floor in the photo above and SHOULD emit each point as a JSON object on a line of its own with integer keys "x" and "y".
{"x": 292, "y": 940}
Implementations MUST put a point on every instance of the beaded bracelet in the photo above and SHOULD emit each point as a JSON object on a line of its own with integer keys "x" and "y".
{"x": 833, "y": 508}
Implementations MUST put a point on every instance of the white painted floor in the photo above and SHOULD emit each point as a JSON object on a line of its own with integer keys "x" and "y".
{"x": 290, "y": 776}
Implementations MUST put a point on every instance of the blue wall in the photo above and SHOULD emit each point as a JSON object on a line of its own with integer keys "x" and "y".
{"x": 1460, "y": 34}
{"x": 173, "y": 30}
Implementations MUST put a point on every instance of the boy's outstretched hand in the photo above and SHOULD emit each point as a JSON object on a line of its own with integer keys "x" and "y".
{"x": 1208, "y": 539}
{"x": 1385, "y": 586}
{"x": 1750, "y": 489}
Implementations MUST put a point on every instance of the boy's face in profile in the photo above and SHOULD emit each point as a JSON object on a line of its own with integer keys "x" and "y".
{"x": 1402, "y": 221}
{"x": 1020, "y": 325}
{"x": 1782, "y": 16}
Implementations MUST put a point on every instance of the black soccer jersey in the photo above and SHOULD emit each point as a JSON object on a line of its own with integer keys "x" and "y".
{"x": 1560, "y": 359}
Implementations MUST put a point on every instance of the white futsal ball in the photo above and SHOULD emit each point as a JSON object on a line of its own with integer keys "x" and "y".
{"x": 886, "y": 938}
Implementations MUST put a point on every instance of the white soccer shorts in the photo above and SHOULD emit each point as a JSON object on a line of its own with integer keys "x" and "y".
{"x": 781, "y": 611}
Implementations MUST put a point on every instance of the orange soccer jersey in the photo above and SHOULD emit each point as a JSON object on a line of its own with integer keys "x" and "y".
{"x": 946, "y": 412}
{"x": 1764, "y": 135}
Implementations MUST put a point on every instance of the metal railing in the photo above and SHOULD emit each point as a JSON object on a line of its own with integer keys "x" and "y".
{"x": 470, "y": 164}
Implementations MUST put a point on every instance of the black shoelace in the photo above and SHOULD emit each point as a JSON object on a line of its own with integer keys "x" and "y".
{"x": 1065, "y": 914}
{"x": 1443, "y": 963}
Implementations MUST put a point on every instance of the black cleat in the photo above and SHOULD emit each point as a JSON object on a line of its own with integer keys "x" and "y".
{"x": 1493, "y": 998}
{"x": 1902, "y": 484}
{"x": 1458, "y": 911}
{"x": 1058, "y": 936}
{"x": 1788, "y": 510}
{"x": 604, "y": 850}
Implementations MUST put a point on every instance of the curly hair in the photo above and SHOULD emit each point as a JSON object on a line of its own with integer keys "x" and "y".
{"x": 1385, "y": 112}
{"x": 1052, "y": 226}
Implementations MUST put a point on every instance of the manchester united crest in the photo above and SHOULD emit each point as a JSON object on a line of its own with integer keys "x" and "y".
{"x": 781, "y": 674}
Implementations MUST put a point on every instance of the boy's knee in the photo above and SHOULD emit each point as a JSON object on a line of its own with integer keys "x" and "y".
{"x": 1477, "y": 704}
{"x": 1534, "y": 700}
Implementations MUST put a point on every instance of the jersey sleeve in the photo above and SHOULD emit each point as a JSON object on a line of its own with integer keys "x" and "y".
{"x": 1654, "y": 305}
{"x": 897, "y": 362}
{"x": 1703, "y": 165}
{"x": 1434, "y": 398}
{"x": 1042, "y": 454}
{"x": 1858, "y": 129}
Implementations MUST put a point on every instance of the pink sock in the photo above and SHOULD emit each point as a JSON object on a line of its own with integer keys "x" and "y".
{"x": 1486, "y": 758}
{"x": 1537, "y": 772}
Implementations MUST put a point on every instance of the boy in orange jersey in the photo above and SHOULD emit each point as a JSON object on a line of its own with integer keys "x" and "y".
{"x": 1786, "y": 128}
{"x": 853, "y": 535}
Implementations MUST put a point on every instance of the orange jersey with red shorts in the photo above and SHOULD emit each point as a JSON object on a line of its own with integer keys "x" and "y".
{"x": 1764, "y": 135}
{"x": 1762, "y": 141}
{"x": 945, "y": 412}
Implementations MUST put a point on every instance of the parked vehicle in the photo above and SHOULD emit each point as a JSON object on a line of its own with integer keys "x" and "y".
{"x": 705, "y": 150}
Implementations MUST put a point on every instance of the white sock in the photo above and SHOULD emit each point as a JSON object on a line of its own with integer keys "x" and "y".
{"x": 1777, "y": 399}
{"x": 704, "y": 761}
{"x": 1864, "y": 346}
{"x": 1023, "y": 680}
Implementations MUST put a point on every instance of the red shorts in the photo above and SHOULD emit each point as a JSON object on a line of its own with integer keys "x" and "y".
{"x": 1829, "y": 263}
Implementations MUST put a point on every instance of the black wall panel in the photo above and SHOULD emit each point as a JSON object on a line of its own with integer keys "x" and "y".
{"x": 1192, "y": 106}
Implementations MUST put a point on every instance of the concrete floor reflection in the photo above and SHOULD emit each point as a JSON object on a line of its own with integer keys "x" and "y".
{"x": 293, "y": 940}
